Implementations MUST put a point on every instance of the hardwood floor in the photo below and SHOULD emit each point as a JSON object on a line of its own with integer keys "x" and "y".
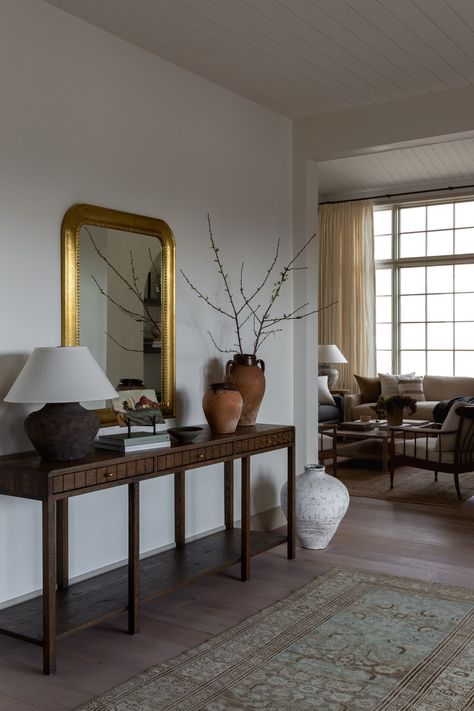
{"x": 428, "y": 542}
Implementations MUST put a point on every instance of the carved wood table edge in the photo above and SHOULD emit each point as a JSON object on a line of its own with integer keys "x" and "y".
{"x": 61, "y": 609}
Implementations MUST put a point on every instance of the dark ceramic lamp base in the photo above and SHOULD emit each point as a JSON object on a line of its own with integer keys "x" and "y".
{"x": 62, "y": 431}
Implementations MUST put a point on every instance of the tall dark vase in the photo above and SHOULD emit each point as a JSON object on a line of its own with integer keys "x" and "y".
{"x": 248, "y": 374}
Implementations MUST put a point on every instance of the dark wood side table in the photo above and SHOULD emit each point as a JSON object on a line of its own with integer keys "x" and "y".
{"x": 63, "y": 609}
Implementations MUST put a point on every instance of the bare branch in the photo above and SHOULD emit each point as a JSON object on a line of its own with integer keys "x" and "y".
{"x": 250, "y": 298}
{"x": 291, "y": 316}
{"x": 147, "y": 318}
{"x": 132, "y": 350}
{"x": 206, "y": 298}
{"x": 225, "y": 280}
{"x": 221, "y": 350}
{"x": 139, "y": 318}
{"x": 263, "y": 323}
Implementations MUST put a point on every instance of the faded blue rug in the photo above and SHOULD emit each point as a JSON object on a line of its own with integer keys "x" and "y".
{"x": 348, "y": 641}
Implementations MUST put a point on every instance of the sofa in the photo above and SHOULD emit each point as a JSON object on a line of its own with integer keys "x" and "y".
{"x": 331, "y": 413}
{"x": 330, "y": 405}
{"x": 435, "y": 389}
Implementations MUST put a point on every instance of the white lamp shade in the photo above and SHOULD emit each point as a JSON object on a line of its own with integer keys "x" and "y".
{"x": 61, "y": 374}
{"x": 330, "y": 354}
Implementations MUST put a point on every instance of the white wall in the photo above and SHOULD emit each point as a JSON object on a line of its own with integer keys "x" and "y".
{"x": 86, "y": 117}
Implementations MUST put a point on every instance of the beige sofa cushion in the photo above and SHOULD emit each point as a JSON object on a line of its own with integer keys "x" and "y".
{"x": 443, "y": 387}
{"x": 424, "y": 411}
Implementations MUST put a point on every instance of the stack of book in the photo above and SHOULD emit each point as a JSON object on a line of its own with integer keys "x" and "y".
{"x": 123, "y": 442}
{"x": 357, "y": 426}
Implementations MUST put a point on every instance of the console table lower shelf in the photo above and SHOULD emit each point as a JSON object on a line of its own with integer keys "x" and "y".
{"x": 63, "y": 609}
{"x": 106, "y": 596}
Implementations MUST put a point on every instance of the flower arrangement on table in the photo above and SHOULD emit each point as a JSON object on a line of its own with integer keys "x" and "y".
{"x": 388, "y": 405}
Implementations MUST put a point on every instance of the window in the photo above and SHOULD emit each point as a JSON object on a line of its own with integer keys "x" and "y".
{"x": 424, "y": 259}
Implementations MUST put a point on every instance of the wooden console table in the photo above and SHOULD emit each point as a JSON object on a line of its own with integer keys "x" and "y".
{"x": 63, "y": 609}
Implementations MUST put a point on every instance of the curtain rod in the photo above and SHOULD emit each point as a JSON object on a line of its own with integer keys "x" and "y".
{"x": 392, "y": 195}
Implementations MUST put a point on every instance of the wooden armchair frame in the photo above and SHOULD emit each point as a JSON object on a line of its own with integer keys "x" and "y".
{"x": 463, "y": 454}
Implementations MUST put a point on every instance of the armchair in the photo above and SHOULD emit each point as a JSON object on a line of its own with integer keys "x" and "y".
{"x": 446, "y": 448}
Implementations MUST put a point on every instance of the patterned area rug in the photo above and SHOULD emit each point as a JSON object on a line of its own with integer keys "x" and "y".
{"x": 348, "y": 641}
{"x": 411, "y": 485}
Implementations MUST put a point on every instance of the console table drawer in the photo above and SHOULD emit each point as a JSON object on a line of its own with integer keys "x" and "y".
{"x": 102, "y": 475}
{"x": 252, "y": 444}
{"x": 188, "y": 457}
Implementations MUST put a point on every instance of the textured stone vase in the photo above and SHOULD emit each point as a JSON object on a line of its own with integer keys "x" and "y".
{"x": 321, "y": 503}
{"x": 248, "y": 374}
{"x": 222, "y": 405}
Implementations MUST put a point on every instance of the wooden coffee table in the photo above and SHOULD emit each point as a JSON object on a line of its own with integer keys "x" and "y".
{"x": 369, "y": 444}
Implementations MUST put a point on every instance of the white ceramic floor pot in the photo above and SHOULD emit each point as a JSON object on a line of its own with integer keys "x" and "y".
{"x": 321, "y": 503}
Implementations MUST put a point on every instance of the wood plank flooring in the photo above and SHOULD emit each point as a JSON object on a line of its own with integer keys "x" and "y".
{"x": 428, "y": 542}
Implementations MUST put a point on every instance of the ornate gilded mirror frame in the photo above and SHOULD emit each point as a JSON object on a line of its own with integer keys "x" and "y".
{"x": 83, "y": 214}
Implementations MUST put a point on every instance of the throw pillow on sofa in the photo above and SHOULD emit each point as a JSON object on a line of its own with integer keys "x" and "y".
{"x": 369, "y": 388}
{"x": 412, "y": 387}
{"x": 324, "y": 396}
{"x": 389, "y": 384}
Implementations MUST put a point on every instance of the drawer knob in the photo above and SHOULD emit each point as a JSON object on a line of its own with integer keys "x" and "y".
{"x": 201, "y": 456}
{"x": 109, "y": 475}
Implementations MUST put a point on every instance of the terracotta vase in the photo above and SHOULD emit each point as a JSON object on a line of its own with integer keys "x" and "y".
{"x": 395, "y": 418}
{"x": 248, "y": 374}
{"x": 222, "y": 405}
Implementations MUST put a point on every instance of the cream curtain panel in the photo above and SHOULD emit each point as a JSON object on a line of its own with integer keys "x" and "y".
{"x": 347, "y": 275}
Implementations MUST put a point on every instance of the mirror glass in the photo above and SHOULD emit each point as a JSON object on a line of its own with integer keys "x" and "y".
{"x": 118, "y": 294}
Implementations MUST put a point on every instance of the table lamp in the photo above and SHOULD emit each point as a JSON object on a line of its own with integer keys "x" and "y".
{"x": 61, "y": 377}
{"x": 327, "y": 355}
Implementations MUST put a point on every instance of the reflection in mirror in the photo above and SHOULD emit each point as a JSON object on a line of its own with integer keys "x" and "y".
{"x": 118, "y": 298}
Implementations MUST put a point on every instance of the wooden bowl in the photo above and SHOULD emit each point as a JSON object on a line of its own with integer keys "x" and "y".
{"x": 185, "y": 434}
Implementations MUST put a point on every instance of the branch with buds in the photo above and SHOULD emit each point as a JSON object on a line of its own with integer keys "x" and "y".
{"x": 144, "y": 314}
{"x": 246, "y": 306}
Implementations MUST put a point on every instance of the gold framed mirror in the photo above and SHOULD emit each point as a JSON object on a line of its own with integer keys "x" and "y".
{"x": 118, "y": 298}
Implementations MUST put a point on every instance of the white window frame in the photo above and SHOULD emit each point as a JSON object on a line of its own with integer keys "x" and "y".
{"x": 395, "y": 263}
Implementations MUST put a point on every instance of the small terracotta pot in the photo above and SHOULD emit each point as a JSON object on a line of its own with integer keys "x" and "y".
{"x": 395, "y": 418}
{"x": 222, "y": 405}
{"x": 248, "y": 374}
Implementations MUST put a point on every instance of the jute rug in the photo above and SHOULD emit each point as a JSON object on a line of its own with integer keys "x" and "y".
{"x": 410, "y": 486}
{"x": 348, "y": 641}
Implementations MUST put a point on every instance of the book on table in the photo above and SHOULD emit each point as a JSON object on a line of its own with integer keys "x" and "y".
{"x": 133, "y": 441}
{"x": 132, "y": 448}
{"x": 357, "y": 426}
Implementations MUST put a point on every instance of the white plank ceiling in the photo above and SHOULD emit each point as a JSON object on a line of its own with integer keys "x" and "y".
{"x": 438, "y": 165}
{"x": 302, "y": 57}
